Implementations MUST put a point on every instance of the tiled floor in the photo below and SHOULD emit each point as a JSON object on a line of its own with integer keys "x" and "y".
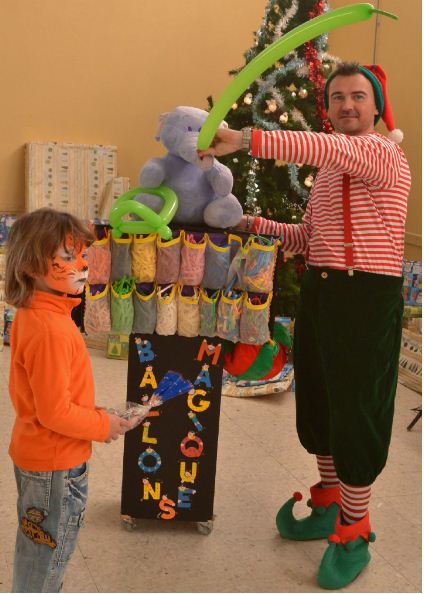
{"x": 244, "y": 552}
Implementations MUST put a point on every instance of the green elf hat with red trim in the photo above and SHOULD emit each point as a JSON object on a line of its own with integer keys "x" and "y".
{"x": 378, "y": 79}
{"x": 256, "y": 362}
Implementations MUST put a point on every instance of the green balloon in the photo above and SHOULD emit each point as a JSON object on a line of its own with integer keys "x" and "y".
{"x": 151, "y": 222}
{"x": 324, "y": 23}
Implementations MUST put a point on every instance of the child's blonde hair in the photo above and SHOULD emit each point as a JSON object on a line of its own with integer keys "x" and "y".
{"x": 33, "y": 240}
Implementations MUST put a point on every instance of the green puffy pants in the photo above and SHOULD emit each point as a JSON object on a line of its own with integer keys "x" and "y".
{"x": 346, "y": 356}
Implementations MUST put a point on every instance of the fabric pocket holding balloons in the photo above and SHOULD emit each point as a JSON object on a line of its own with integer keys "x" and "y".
{"x": 97, "y": 309}
{"x": 192, "y": 265}
{"x": 143, "y": 254}
{"x": 208, "y": 312}
{"x": 166, "y": 313}
{"x": 228, "y": 318}
{"x": 188, "y": 311}
{"x": 258, "y": 273}
{"x": 121, "y": 258}
{"x": 235, "y": 242}
{"x": 99, "y": 259}
{"x": 168, "y": 258}
{"x": 121, "y": 306}
{"x": 237, "y": 261}
{"x": 254, "y": 321}
{"x": 217, "y": 261}
{"x": 144, "y": 301}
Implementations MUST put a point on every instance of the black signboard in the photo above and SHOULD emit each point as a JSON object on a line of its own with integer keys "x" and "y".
{"x": 170, "y": 459}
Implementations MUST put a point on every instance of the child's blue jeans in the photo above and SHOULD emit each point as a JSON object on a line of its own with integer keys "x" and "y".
{"x": 51, "y": 507}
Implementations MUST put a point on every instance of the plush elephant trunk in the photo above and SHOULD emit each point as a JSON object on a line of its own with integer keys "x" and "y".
{"x": 188, "y": 152}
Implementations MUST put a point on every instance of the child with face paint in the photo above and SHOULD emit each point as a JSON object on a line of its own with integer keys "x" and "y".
{"x": 52, "y": 390}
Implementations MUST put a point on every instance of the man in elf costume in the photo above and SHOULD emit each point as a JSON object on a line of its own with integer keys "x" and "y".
{"x": 348, "y": 325}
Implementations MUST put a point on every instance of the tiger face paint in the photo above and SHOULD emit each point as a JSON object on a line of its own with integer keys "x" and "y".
{"x": 67, "y": 270}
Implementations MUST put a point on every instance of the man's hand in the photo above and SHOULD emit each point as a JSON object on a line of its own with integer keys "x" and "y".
{"x": 118, "y": 427}
{"x": 242, "y": 225}
{"x": 225, "y": 141}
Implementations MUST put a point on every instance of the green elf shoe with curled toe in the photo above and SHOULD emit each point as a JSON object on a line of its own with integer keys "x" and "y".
{"x": 346, "y": 555}
{"x": 325, "y": 505}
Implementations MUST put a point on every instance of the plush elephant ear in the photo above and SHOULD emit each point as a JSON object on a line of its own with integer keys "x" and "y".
{"x": 162, "y": 119}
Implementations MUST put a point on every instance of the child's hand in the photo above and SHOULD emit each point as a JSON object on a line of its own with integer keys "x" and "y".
{"x": 118, "y": 427}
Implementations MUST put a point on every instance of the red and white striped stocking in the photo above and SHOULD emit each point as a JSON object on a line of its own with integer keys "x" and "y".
{"x": 327, "y": 472}
{"x": 355, "y": 501}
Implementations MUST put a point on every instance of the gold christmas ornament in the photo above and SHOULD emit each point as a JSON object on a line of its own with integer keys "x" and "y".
{"x": 284, "y": 117}
{"x": 303, "y": 93}
{"x": 309, "y": 181}
{"x": 272, "y": 104}
{"x": 234, "y": 106}
{"x": 292, "y": 88}
{"x": 279, "y": 163}
{"x": 248, "y": 98}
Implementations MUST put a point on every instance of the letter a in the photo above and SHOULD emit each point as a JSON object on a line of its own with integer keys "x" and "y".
{"x": 149, "y": 378}
{"x": 203, "y": 377}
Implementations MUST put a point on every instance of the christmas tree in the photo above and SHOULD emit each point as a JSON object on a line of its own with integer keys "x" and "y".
{"x": 287, "y": 96}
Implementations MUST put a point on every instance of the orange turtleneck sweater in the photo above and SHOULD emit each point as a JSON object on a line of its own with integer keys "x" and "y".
{"x": 51, "y": 387}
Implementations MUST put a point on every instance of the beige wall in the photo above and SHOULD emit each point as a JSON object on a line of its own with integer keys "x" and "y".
{"x": 101, "y": 71}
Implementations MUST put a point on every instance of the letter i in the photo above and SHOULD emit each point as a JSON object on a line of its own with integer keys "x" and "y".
{"x": 195, "y": 420}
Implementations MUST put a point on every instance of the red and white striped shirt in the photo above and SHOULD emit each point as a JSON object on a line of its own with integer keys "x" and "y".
{"x": 379, "y": 185}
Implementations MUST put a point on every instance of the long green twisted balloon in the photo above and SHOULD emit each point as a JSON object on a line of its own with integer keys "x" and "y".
{"x": 324, "y": 23}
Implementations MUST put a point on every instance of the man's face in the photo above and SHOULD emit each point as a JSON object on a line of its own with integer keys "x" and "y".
{"x": 67, "y": 270}
{"x": 352, "y": 105}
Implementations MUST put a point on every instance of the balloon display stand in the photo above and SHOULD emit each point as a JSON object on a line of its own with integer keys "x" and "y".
{"x": 170, "y": 459}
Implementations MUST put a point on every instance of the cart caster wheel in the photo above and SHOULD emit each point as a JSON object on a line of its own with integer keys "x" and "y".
{"x": 205, "y": 527}
{"x": 128, "y": 523}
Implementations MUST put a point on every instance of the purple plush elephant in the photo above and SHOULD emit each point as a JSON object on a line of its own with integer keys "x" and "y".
{"x": 203, "y": 187}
